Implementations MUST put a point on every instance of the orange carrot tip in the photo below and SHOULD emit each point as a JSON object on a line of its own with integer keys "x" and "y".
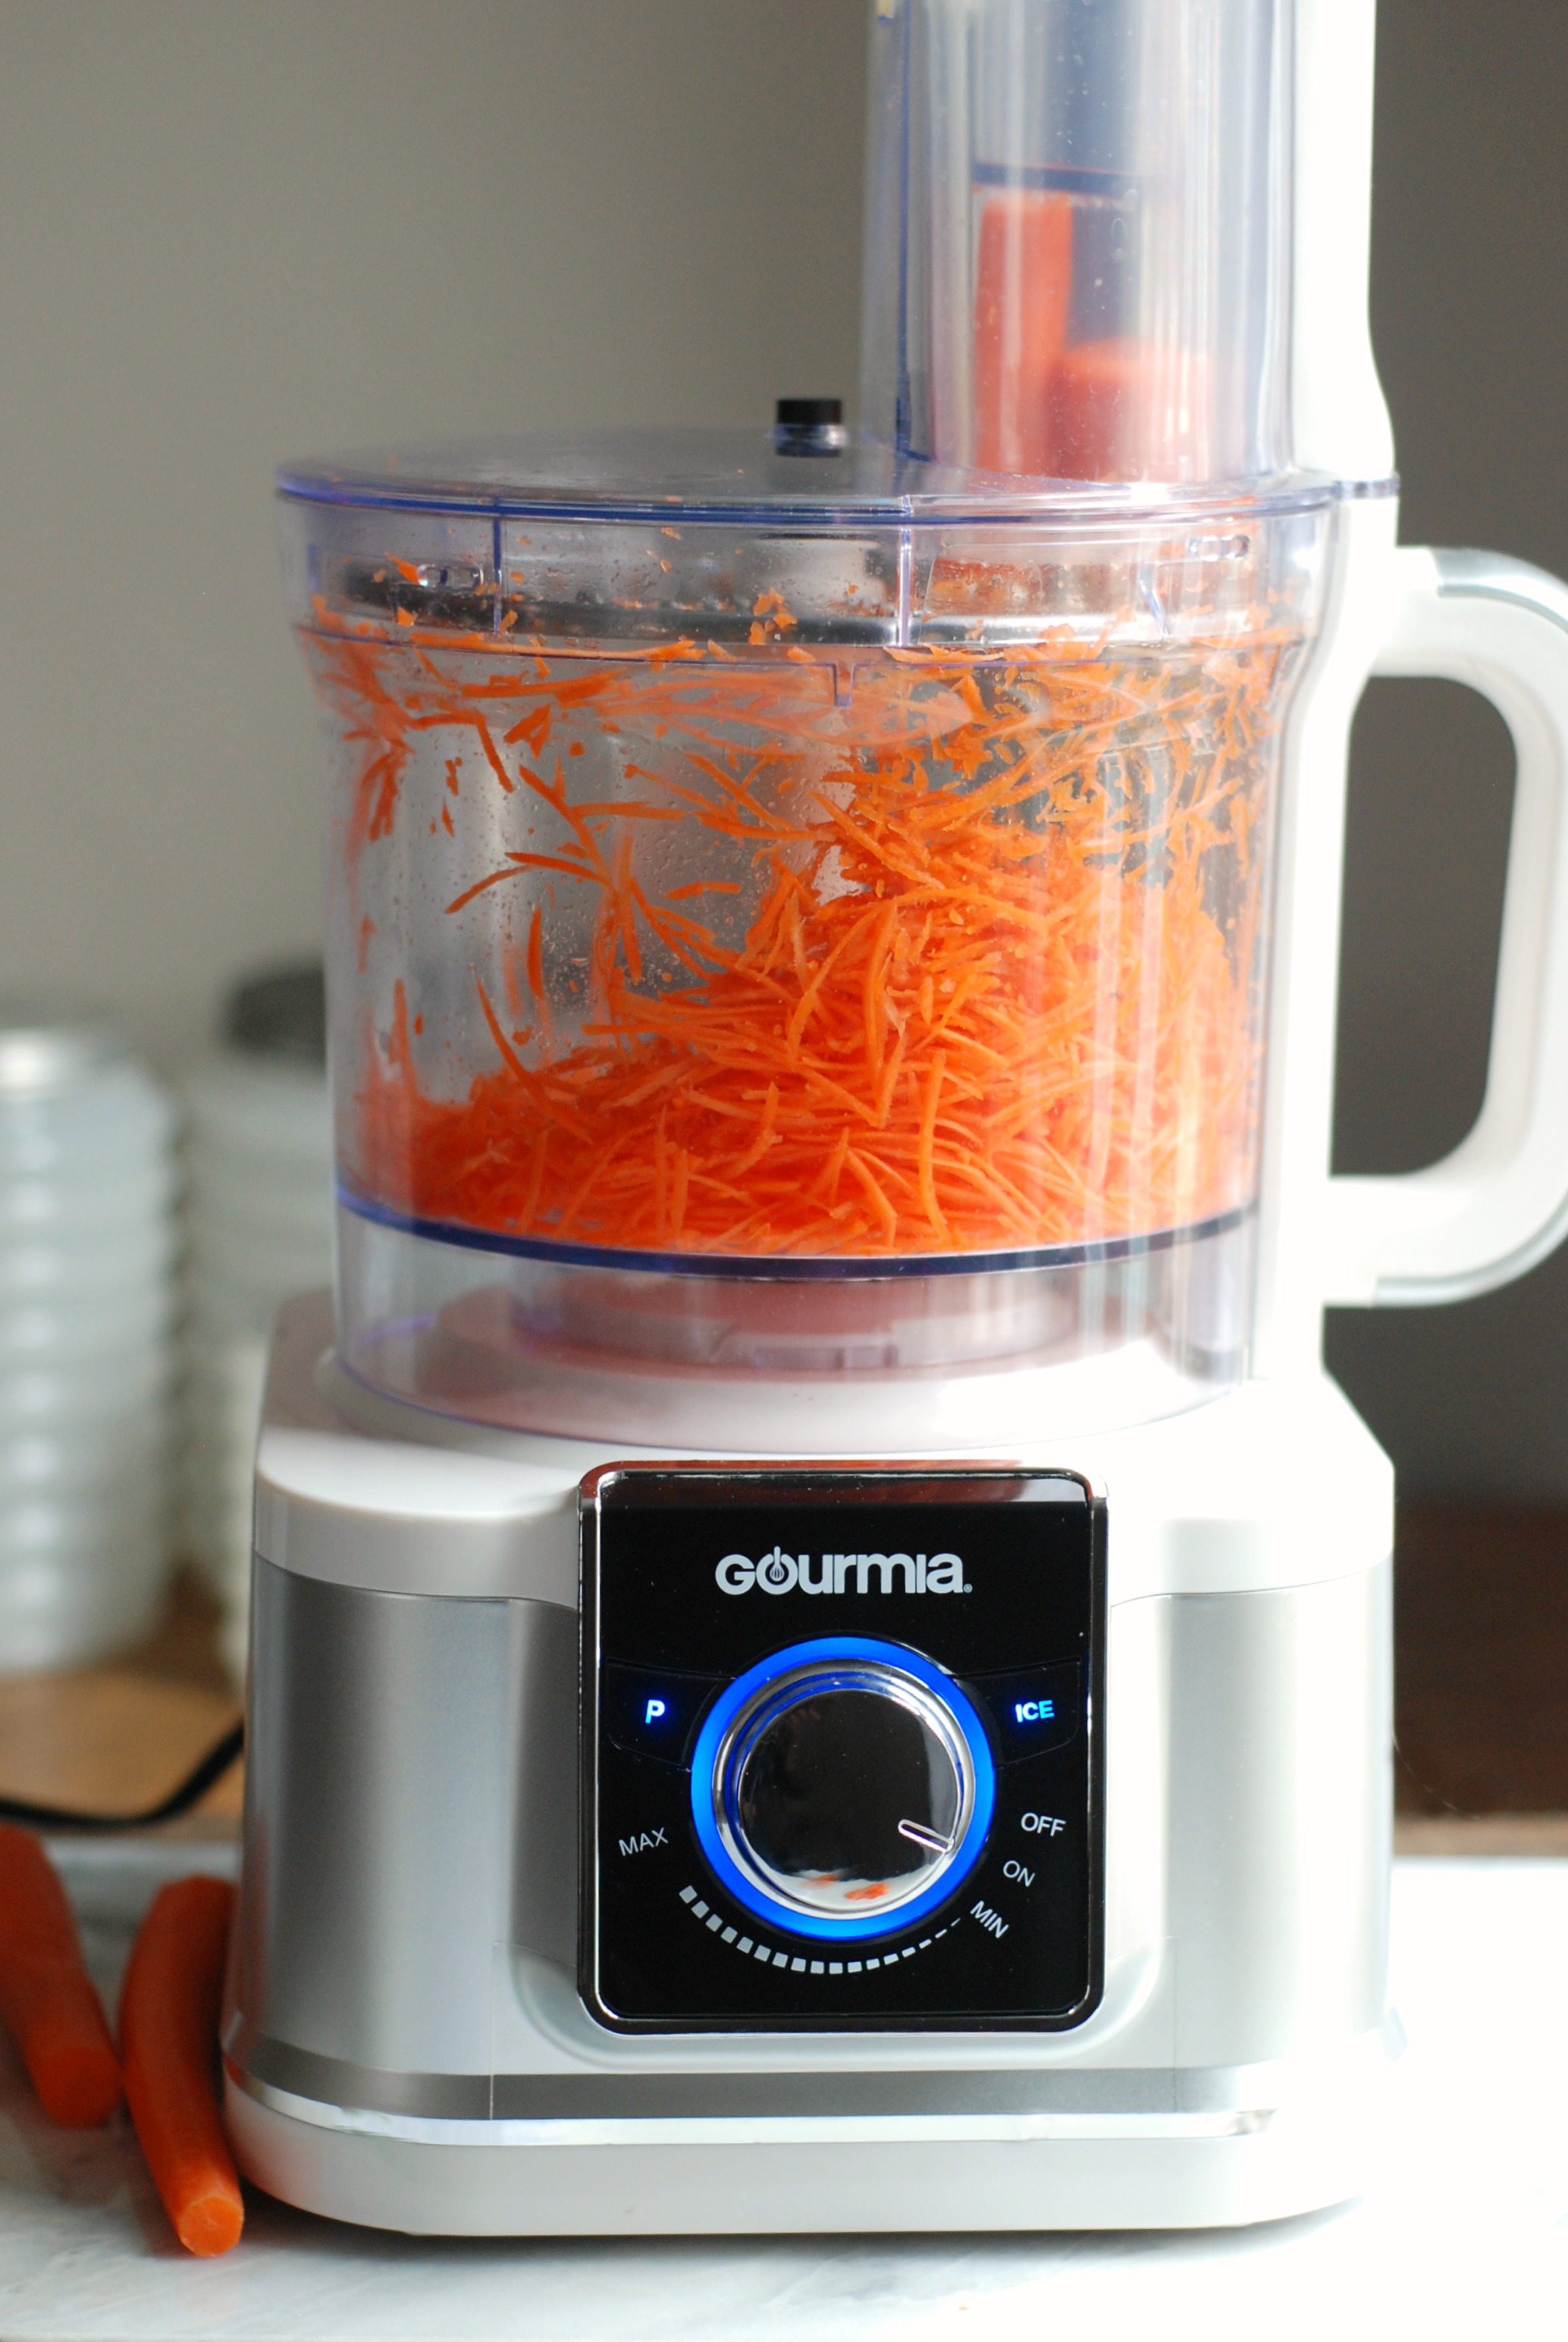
{"x": 47, "y": 2002}
{"x": 169, "y": 2009}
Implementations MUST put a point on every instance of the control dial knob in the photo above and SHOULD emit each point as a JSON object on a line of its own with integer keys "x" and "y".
{"x": 845, "y": 1789}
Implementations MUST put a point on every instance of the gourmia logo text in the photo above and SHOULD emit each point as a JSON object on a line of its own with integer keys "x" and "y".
{"x": 843, "y": 1573}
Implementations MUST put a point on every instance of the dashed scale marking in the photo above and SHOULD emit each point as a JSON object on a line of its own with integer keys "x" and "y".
{"x": 771, "y": 1956}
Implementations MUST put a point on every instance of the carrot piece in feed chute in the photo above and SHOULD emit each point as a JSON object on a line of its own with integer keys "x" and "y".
{"x": 1024, "y": 287}
{"x": 1097, "y": 393}
{"x": 169, "y": 2008}
{"x": 1124, "y": 409}
{"x": 47, "y": 2001}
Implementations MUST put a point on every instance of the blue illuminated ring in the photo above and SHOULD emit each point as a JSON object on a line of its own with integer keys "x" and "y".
{"x": 827, "y": 1651}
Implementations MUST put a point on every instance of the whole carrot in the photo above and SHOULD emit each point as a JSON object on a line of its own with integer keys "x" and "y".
{"x": 47, "y": 2002}
{"x": 168, "y": 2035}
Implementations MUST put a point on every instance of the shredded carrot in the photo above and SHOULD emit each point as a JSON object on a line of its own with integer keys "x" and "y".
{"x": 981, "y": 967}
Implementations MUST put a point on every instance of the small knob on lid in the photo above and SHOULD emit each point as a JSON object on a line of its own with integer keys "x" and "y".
{"x": 809, "y": 426}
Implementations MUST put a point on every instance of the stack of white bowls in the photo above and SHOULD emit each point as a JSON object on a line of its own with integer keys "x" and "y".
{"x": 86, "y": 1246}
{"x": 259, "y": 1227}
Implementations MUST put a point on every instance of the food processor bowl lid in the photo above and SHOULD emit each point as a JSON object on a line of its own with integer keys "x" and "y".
{"x": 740, "y": 476}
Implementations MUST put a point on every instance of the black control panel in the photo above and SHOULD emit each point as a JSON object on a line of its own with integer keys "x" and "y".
{"x": 841, "y": 1748}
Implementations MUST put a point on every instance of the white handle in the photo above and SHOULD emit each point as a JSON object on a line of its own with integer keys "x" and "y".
{"x": 1499, "y": 1203}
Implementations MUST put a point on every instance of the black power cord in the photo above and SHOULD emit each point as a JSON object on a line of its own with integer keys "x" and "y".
{"x": 194, "y": 1788}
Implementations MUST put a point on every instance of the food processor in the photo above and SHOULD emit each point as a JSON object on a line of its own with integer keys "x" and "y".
{"x": 820, "y": 1640}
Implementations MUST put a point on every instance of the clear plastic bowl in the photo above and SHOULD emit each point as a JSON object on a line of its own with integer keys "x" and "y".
{"x": 801, "y": 940}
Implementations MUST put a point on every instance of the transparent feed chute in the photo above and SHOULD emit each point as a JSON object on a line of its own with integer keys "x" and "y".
{"x": 800, "y": 902}
{"x": 1077, "y": 237}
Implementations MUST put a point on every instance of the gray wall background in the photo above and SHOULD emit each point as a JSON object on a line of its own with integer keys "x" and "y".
{"x": 239, "y": 230}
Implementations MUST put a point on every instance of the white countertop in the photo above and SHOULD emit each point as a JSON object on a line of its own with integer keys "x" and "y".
{"x": 1465, "y": 2235}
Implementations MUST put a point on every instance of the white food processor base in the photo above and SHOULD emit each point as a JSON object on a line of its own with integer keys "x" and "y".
{"x": 833, "y": 2177}
{"x": 404, "y": 2046}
